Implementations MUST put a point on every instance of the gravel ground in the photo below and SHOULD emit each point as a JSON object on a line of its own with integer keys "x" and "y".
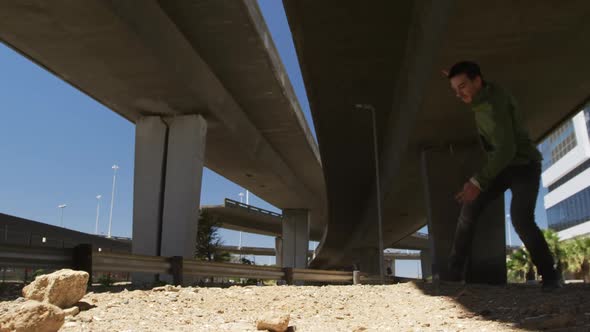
{"x": 401, "y": 307}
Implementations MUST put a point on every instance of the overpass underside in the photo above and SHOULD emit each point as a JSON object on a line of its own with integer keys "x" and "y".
{"x": 390, "y": 54}
{"x": 204, "y": 85}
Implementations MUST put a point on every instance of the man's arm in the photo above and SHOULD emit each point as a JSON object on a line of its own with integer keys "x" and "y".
{"x": 503, "y": 140}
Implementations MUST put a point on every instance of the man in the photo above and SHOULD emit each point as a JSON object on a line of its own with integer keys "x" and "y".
{"x": 513, "y": 162}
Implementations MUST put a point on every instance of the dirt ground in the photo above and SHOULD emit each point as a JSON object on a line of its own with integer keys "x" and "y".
{"x": 400, "y": 307}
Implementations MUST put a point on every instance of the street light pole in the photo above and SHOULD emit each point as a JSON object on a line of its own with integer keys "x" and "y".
{"x": 61, "y": 218}
{"x": 98, "y": 197}
{"x": 371, "y": 109}
{"x": 240, "y": 243}
{"x": 115, "y": 168}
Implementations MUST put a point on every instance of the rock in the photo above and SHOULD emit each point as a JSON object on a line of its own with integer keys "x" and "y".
{"x": 62, "y": 288}
{"x": 32, "y": 316}
{"x": 273, "y": 323}
{"x": 73, "y": 311}
{"x": 84, "y": 306}
{"x": 545, "y": 322}
{"x": 166, "y": 288}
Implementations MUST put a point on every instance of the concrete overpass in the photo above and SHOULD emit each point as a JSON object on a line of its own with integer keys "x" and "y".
{"x": 390, "y": 54}
{"x": 204, "y": 85}
{"x": 246, "y": 218}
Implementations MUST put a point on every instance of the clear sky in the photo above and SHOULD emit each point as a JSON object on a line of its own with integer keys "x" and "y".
{"x": 58, "y": 146}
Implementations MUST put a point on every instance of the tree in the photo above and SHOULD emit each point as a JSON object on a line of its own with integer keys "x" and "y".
{"x": 556, "y": 247}
{"x": 208, "y": 240}
{"x": 520, "y": 266}
{"x": 577, "y": 255}
{"x": 571, "y": 255}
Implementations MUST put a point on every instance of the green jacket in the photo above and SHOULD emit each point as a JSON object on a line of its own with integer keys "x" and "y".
{"x": 502, "y": 133}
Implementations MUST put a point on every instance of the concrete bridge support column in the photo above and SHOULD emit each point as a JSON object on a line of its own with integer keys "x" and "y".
{"x": 148, "y": 181}
{"x": 295, "y": 239}
{"x": 169, "y": 159}
{"x": 279, "y": 251}
{"x": 426, "y": 263}
{"x": 367, "y": 260}
{"x": 184, "y": 171}
{"x": 444, "y": 173}
{"x": 390, "y": 263}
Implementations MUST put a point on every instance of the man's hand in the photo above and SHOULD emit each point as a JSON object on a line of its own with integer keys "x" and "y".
{"x": 469, "y": 193}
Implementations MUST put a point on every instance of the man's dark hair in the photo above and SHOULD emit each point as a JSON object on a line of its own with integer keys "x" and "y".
{"x": 469, "y": 68}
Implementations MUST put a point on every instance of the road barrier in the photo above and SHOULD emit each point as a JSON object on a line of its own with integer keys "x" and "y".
{"x": 83, "y": 257}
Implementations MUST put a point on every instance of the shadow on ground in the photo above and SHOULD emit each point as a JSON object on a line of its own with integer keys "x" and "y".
{"x": 525, "y": 306}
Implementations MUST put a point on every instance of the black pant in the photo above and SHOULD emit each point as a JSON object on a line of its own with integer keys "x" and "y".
{"x": 523, "y": 181}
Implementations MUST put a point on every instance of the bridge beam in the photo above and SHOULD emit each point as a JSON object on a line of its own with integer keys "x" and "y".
{"x": 444, "y": 172}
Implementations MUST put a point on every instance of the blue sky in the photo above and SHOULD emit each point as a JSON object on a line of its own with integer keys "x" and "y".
{"x": 58, "y": 146}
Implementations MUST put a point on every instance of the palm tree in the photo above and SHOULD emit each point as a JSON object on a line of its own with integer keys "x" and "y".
{"x": 577, "y": 254}
{"x": 520, "y": 266}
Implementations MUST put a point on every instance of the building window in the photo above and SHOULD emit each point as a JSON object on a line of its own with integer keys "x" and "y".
{"x": 570, "y": 212}
{"x": 558, "y": 144}
{"x": 570, "y": 175}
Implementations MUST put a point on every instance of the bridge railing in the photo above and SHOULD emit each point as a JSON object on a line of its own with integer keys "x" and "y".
{"x": 250, "y": 208}
{"x": 83, "y": 257}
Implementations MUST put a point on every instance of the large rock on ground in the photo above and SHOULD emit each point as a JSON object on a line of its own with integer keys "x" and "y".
{"x": 32, "y": 316}
{"x": 62, "y": 288}
{"x": 273, "y": 323}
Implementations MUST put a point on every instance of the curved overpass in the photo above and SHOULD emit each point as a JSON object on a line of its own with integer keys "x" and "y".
{"x": 390, "y": 54}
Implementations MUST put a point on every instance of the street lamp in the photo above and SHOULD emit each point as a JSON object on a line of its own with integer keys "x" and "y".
{"x": 241, "y": 194}
{"x": 61, "y": 217}
{"x": 98, "y": 197}
{"x": 371, "y": 109}
{"x": 115, "y": 168}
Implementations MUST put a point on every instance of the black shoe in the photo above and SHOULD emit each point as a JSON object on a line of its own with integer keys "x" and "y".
{"x": 550, "y": 285}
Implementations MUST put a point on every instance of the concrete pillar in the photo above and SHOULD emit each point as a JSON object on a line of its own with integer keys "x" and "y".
{"x": 444, "y": 172}
{"x": 391, "y": 264}
{"x": 184, "y": 170}
{"x": 367, "y": 260}
{"x": 169, "y": 159}
{"x": 150, "y": 140}
{"x": 426, "y": 263}
{"x": 279, "y": 251}
{"x": 150, "y": 152}
{"x": 295, "y": 239}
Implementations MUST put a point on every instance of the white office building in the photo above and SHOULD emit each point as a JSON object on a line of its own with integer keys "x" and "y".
{"x": 566, "y": 175}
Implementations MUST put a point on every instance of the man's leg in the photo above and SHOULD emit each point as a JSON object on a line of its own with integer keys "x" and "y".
{"x": 525, "y": 188}
{"x": 468, "y": 217}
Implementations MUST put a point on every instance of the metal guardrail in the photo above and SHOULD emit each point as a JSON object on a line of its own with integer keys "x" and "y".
{"x": 206, "y": 269}
{"x": 83, "y": 257}
{"x": 19, "y": 256}
{"x": 117, "y": 262}
{"x": 232, "y": 203}
{"x": 322, "y": 275}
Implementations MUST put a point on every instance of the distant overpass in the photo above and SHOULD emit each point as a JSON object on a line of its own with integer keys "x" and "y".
{"x": 247, "y": 218}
